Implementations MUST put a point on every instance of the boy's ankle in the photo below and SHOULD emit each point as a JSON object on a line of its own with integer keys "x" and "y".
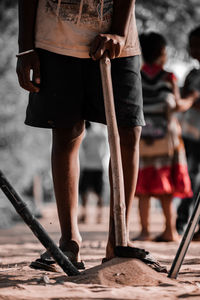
{"x": 70, "y": 245}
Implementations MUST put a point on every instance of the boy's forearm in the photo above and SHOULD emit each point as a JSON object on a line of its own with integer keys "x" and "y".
{"x": 27, "y": 15}
{"x": 122, "y": 11}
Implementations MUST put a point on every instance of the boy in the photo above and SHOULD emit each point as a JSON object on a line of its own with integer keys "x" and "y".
{"x": 62, "y": 42}
{"x": 191, "y": 132}
{"x": 163, "y": 162}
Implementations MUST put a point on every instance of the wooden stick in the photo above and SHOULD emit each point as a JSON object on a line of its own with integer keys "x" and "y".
{"x": 115, "y": 153}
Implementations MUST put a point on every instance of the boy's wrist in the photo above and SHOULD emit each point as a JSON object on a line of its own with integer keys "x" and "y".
{"x": 22, "y": 53}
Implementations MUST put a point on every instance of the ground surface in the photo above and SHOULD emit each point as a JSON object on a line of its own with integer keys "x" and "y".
{"x": 121, "y": 279}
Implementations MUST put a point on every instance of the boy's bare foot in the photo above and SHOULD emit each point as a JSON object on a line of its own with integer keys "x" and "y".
{"x": 46, "y": 262}
{"x": 167, "y": 238}
{"x": 142, "y": 237}
{"x": 72, "y": 247}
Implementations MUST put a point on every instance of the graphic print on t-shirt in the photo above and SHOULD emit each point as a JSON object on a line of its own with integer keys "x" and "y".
{"x": 82, "y": 12}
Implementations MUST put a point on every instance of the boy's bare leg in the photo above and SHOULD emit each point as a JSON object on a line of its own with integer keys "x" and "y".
{"x": 65, "y": 170}
{"x": 129, "y": 141}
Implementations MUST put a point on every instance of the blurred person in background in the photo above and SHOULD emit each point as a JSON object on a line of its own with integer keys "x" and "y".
{"x": 163, "y": 170}
{"x": 94, "y": 151}
{"x": 190, "y": 123}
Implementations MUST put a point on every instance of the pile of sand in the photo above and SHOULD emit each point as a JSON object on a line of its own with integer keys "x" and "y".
{"x": 122, "y": 272}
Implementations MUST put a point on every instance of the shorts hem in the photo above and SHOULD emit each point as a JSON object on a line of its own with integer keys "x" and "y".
{"x": 39, "y": 125}
{"x": 121, "y": 124}
{"x": 62, "y": 125}
{"x": 50, "y": 126}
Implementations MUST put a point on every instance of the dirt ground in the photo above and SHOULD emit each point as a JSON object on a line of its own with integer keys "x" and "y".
{"x": 118, "y": 279}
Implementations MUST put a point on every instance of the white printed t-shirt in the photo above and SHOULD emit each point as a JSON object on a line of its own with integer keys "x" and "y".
{"x": 69, "y": 26}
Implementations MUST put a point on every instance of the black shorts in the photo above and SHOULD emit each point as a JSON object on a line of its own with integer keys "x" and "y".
{"x": 91, "y": 180}
{"x": 71, "y": 91}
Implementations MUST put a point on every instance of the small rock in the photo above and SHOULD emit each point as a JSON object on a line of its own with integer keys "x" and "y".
{"x": 43, "y": 279}
{"x": 118, "y": 274}
{"x": 46, "y": 279}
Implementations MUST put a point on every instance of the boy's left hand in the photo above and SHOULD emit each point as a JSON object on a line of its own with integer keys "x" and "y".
{"x": 111, "y": 43}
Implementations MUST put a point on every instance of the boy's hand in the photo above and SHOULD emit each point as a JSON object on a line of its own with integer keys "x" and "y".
{"x": 196, "y": 96}
{"x": 111, "y": 43}
{"x": 25, "y": 64}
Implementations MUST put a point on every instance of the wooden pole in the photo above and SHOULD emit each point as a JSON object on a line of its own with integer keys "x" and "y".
{"x": 115, "y": 154}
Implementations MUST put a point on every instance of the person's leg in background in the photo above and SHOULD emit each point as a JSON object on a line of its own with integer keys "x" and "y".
{"x": 84, "y": 185}
{"x": 84, "y": 200}
{"x": 65, "y": 170}
{"x": 129, "y": 141}
{"x": 169, "y": 234}
{"x": 99, "y": 209}
{"x": 144, "y": 209}
{"x": 98, "y": 189}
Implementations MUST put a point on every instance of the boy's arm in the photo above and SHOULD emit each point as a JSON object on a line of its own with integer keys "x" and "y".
{"x": 114, "y": 41}
{"x": 183, "y": 103}
{"x": 27, "y": 62}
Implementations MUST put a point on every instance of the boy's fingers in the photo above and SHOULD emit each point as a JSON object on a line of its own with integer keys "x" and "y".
{"x": 21, "y": 82}
{"x": 100, "y": 51}
{"x": 107, "y": 42}
{"x": 117, "y": 50}
{"x": 94, "y": 46}
{"x": 22, "y": 79}
{"x": 111, "y": 49}
{"x": 36, "y": 73}
{"x": 24, "y": 66}
{"x": 27, "y": 84}
{"x": 100, "y": 47}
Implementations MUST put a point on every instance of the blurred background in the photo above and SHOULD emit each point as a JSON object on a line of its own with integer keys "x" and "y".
{"x": 25, "y": 151}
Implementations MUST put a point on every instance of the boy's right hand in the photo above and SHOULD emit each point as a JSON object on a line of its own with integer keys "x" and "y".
{"x": 25, "y": 64}
{"x": 112, "y": 43}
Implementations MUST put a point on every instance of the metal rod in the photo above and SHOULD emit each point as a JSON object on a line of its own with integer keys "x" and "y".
{"x": 186, "y": 239}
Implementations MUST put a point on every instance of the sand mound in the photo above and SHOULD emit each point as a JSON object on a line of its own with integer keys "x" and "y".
{"x": 122, "y": 272}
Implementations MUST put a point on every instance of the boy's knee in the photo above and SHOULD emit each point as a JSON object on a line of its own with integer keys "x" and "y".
{"x": 66, "y": 136}
{"x": 130, "y": 137}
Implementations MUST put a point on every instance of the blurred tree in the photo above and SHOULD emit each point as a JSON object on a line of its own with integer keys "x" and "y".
{"x": 173, "y": 19}
{"x": 19, "y": 144}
